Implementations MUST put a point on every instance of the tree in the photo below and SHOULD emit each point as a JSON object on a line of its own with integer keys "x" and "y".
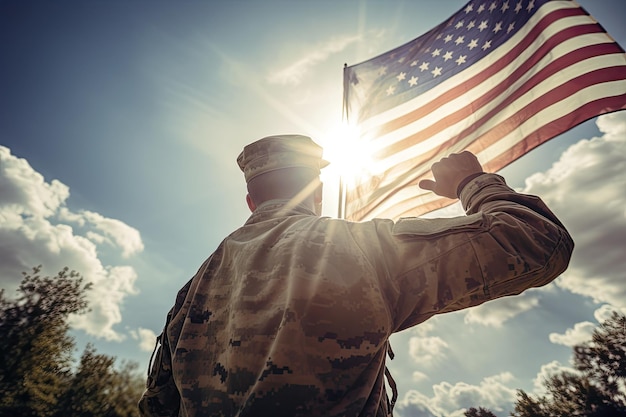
{"x": 604, "y": 358}
{"x": 36, "y": 375}
{"x": 597, "y": 388}
{"x": 479, "y": 412}
{"x": 97, "y": 389}
{"x": 35, "y": 350}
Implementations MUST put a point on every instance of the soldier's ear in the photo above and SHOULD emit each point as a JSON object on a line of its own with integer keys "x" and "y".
{"x": 319, "y": 193}
{"x": 250, "y": 202}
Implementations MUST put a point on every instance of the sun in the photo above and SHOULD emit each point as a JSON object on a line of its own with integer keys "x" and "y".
{"x": 350, "y": 157}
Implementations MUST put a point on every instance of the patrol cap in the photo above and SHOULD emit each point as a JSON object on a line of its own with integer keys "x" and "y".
{"x": 277, "y": 152}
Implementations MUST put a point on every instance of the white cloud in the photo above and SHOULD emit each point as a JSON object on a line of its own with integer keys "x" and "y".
{"x": 427, "y": 350}
{"x": 496, "y": 312}
{"x": 24, "y": 191}
{"x": 419, "y": 376}
{"x": 453, "y": 399}
{"x": 579, "y": 334}
{"x": 583, "y": 331}
{"x": 295, "y": 73}
{"x": 606, "y": 311}
{"x": 424, "y": 328}
{"x": 33, "y": 231}
{"x": 112, "y": 231}
{"x": 146, "y": 338}
{"x": 585, "y": 188}
{"x": 546, "y": 371}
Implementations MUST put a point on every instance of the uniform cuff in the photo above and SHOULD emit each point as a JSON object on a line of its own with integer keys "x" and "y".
{"x": 466, "y": 181}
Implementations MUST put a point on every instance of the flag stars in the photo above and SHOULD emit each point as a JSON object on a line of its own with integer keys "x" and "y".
{"x": 436, "y": 52}
{"x": 471, "y": 25}
{"x": 424, "y": 66}
{"x": 436, "y": 72}
{"x": 414, "y": 63}
{"x": 460, "y": 40}
{"x": 486, "y": 46}
{"x": 382, "y": 71}
{"x": 493, "y": 6}
{"x": 531, "y": 5}
{"x": 511, "y": 27}
{"x": 483, "y": 25}
{"x": 497, "y": 28}
{"x": 461, "y": 60}
{"x": 447, "y": 56}
{"x": 401, "y": 76}
{"x": 505, "y": 6}
{"x": 413, "y": 81}
{"x": 481, "y": 9}
{"x": 469, "y": 8}
{"x": 518, "y": 7}
{"x": 391, "y": 90}
{"x": 460, "y": 24}
{"x": 448, "y": 38}
{"x": 473, "y": 44}
{"x": 401, "y": 60}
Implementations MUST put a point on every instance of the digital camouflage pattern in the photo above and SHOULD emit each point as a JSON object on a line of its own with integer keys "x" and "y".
{"x": 292, "y": 313}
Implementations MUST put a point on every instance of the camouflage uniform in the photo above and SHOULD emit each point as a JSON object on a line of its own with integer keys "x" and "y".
{"x": 292, "y": 314}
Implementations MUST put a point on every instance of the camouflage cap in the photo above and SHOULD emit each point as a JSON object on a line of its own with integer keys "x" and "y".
{"x": 278, "y": 152}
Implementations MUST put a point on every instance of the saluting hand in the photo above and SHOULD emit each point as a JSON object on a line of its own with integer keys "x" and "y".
{"x": 450, "y": 172}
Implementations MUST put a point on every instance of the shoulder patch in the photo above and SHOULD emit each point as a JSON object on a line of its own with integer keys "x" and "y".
{"x": 413, "y": 226}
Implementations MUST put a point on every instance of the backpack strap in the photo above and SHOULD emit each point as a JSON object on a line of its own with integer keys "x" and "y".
{"x": 161, "y": 398}
{"x": 391, "y": 381}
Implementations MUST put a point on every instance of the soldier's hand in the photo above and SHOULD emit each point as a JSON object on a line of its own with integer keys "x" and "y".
{"x": 450, "y": 172}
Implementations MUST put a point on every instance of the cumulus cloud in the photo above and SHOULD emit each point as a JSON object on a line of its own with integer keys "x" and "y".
{"x": 112, "y": 231}
{"x": 453, "y": 399}
{"x": 418, "y": 376}
{"x": 547, "y": 370}
{"x": 427, "y": 350}
{"x": 146, "y": 338}
{"x": 295, "y": 73}
{"x": 583, "y": 331}
{"x": 34, "y": 230}
{"x": 586, "y": 189}
{"x": 606, "y": 311}
{"x": 496, "y": 312}
{"x": 579, "y": 334}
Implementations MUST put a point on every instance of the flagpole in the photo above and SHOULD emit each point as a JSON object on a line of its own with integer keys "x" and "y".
{"x": 344, "y": 116}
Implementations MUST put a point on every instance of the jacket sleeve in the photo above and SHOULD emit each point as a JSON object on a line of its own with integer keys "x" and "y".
{"x": 507, "y": 243}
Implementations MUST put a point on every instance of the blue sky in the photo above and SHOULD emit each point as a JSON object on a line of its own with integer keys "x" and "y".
{"x": 120, "y": 123}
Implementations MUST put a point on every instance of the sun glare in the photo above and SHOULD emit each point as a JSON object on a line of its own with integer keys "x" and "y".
{"x": 349, "y": 158}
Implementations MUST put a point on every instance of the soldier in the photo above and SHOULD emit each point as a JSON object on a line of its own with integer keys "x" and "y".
{"x": 292, "y": 314}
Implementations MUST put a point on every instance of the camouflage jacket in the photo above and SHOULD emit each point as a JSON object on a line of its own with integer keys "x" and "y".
{"x": 292, "y": 313}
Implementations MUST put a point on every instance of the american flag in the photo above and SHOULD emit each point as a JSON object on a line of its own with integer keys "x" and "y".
{"x": 498, "y": 78}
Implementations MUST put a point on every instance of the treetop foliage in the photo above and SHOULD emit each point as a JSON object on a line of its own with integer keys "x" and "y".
{"x": 36, "y": 376}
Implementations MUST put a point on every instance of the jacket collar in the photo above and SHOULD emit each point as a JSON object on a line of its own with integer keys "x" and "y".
{"x": 273, "y": 209}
